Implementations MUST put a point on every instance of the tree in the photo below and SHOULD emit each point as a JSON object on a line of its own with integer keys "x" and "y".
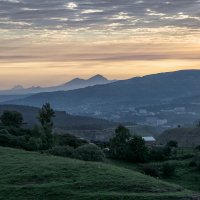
{"x": 46, "y": 115}
{"x": 137, "y": 150}
{"x": 118, "y": 145}
{"x": 12, "y": 118}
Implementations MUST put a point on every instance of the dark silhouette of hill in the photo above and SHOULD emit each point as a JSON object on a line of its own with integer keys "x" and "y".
{"x": 62, "y": 119}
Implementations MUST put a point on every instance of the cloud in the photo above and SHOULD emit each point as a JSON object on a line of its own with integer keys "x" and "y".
{"x": 94, "y": 13}
{"x": 71, "y": 5}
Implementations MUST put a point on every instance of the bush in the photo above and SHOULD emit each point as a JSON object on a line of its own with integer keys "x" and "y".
{"x": 33, "y": 144}
{"x": 198, "y": 167}
{"x": 64, "y": 151}
{"x": 89, "y": 152}
{"x": 168, "y": 170}
{"x": 197, "y": 158}
{"x": 198, "y": 148}
{"x": 19, "y": 131}
{"x": 8, "y": 140}
{"x": 151, "y": 170}
{"x": 192, "y": 164}
{"x": 157, "y": 154}
{"x": 172, "y": 144}
{"x": 69, "y": 140}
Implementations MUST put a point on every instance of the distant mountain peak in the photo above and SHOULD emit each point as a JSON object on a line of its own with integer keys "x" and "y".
{"x": 98, "y": 77}
{"x": 74, "y": 81}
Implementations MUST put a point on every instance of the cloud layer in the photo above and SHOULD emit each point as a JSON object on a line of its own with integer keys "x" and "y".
{"x": 94, "y": 15}
{"x": 93, "y": 36}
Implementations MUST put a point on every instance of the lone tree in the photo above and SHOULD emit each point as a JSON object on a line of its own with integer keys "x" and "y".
{"x": 12, "y": 118}
{"x": 46, "y": 115}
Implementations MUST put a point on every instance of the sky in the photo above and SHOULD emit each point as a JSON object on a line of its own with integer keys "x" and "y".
{"x": 48, "y": 42}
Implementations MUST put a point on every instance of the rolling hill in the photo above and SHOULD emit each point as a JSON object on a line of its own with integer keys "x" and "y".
{"x": 186, "y": 137}
{"x": 26, "y": 175}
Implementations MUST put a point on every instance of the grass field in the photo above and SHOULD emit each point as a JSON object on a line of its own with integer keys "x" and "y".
{"x": 34, "y": 176}
{"x": 185, "y": 176}
{"x": 188, "y": 177}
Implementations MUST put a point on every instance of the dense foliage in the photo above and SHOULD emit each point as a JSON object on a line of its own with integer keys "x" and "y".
{"x": 63, "y": 151}
{"x": 11, "y": 118}
{"x": 89, "y": 152}
{"x": 69, "y": 140}
{"x": 118, "y": 144}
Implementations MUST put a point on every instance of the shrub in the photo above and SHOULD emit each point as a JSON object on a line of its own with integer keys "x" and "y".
{"x": 198, "y": 148}
{"x": 19, "y": 131}
{"x": 157, "y": 154}
{"x": 33, "y": 144}
{"x": 197, "y": 158}
{"x": 172, "y": 144}
{"x": 198, "y": 167}
{"x": 168, "y": 170}
{"x": 151, "y": 170}
{"x": 89, "y": 152}
{"x": 69, "y": 140}
{"x": 64, "y": 151}
{"x": 192, "y": 164}
{"x": 8, "y": 140}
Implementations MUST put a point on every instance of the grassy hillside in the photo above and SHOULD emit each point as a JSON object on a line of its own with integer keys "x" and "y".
{"x": 185, "y": 175}
{"x": 31, "y": 176}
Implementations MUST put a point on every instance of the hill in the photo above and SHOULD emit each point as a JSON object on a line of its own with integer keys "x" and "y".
{"x": 26, "y": 175}
{"x": 71, "y": 85}
{"x": 62, "y": 120}
{"x": 4, "y": 98}
{"x": 186, "y": 137}
{"x": 122, "y": 100}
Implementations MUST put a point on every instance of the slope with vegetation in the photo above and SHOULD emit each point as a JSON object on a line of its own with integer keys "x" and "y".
{"x": 26, "y": 175}
{"x": 186, "y": 137}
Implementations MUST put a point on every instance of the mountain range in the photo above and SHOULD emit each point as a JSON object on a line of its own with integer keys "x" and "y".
{"x": 71, "y": 85}
{"x": 124, "y": 98}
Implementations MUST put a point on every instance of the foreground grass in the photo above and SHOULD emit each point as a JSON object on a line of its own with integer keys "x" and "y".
{"x": 33, "y": 176}
{"x": 185, "y": 176}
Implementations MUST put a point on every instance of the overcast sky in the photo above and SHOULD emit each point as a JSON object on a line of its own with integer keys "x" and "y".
{"x": 46, "y": 42}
